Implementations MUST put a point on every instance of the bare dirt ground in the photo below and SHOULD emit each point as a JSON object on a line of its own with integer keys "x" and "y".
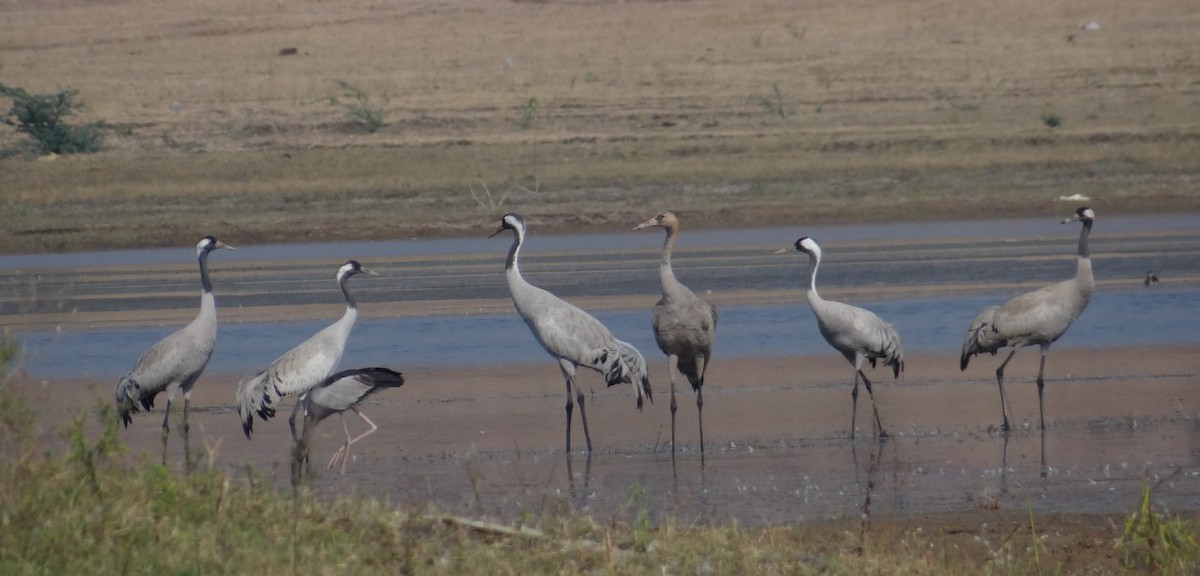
{"x": 580, "y": 114}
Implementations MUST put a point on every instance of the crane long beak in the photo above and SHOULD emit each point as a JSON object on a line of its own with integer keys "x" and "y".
{"x": 221, "y": 244}
{"x": 498, "y": 230}
{"x": 369, "y": 272}
{"x": 1073, "y": 218}
{"x": 785, "y": 250}
{"x": 646, "y": 224}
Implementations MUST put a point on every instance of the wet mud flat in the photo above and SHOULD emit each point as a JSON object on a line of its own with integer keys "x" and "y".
{"x": 489, "y": 440}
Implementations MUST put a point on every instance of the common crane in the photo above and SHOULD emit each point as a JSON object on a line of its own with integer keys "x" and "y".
{"x": 338, "y": 393}
{"x": 300, "y": 369}
{"x": 175, "y": 362}
{"x": 1040, "y": 317}
{"x": 857, "y": 333}
{"x": 570, "y": 335}
{"x": 684, "y": 325}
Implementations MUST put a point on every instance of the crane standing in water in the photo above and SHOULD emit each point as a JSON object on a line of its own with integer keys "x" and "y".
{"x": 684, "y": 325}
{"x": 1040, "y": 317}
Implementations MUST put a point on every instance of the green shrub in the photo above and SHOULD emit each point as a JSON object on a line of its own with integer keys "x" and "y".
{"x": 1154, "y": 542}
{"x": 358, "y": 105}
{"x": 529, "y": 113}
{"x": 43, "y": 118}
{"x": 773, "y": 104}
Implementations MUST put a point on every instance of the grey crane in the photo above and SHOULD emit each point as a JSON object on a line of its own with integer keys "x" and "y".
{"x": 300, "y": 369}
{"x": 685, "y": 326}
{"x": 338, "y": 393}
{"x": 570, "y": 335}
{"x": 857, "y": 333}
{"x": 175, "y": 362}
{"x": 1040, "y": 317}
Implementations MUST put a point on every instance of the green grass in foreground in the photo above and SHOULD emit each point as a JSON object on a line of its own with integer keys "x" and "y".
{"x": 95, "y": 510}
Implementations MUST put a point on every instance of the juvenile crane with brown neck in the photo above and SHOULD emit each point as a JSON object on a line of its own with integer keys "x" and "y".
{"x": 685, "y": 326}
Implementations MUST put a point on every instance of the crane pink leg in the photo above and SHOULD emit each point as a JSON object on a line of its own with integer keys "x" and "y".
{"x": 343, "y": 453}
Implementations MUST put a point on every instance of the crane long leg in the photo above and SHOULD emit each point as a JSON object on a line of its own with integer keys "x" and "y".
{"x": 567, "y": 377}
{"x": 1040, "y": 384}
{"x": 187, "y": 449}
{"x": 166, "y": 416}
{"x": 343, "y": 453}
{"x": 878, "y": 424}
{"x": 337, "y": 454}
{"x": 568, "y": 371}
{"x": 1000, "y": 382}
{"x": 187, "y": 401}
{"x": 701, "y": 366}
{"x": 292, "y": 418}
{"x": 582, "y": 416}
{"x": 854, "y": 404}
{"x": 166, "y": 430}
{"x": 672, "y": 367}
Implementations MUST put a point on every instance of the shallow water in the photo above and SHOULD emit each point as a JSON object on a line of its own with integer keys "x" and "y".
{"x": 1096, "y": 463}
{"x": 1098, "y": 468}
{"x": 1140, "y": 318}
{"x": 1012, "y": 228}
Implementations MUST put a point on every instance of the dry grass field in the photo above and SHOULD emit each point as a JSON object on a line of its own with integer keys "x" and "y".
{"x": 593, "y": 113}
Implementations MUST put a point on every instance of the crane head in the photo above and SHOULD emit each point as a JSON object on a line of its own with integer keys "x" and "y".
{"x": 663, "y": 220}
{"x": 803, "y": 244}
{"x": 511, "y": 221}
{"x": 352, "y": 267}
{"x": 209, "y": 243}
{"x": 1083, "y": 214}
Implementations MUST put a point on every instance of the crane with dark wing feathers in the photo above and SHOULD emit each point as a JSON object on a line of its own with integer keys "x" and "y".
{"x": 570, "y": 335}
{"x": 175, "y": 362}
{"x": 336, "y": 394}
{"x": 300, "y": 369}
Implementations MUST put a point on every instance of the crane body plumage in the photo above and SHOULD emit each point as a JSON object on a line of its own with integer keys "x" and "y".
{"x": 684, "y": 325}
{"x": 859, "y": 334}
{"x": 176, "y": 362}
{"x": 336, "y": 394}
{"x": 300, "y": 369}
{"x": 1039, "y": 317}
{"x": 571, "y": 335}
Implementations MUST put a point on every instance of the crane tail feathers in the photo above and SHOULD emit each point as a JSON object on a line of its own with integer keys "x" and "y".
{"x": 253, "y": 397}
{"x": 375, "y": 376}
{"x": 981, "y": 337}
{"x": 629, "y": 366}
{"x": 127, "y": 406}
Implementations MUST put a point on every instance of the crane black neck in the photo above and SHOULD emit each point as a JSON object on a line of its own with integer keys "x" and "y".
{"x": 518, "y": 239}
{"x": 1083, "y": 239}
{"x": 344, "y": 282}
{"x": 205, "y": 284}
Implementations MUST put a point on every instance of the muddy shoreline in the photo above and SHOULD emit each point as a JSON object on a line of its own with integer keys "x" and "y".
{"x": 777, "y": 432}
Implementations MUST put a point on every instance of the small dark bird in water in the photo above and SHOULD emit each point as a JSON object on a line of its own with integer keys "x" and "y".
{"x": 1151, "y": 278}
